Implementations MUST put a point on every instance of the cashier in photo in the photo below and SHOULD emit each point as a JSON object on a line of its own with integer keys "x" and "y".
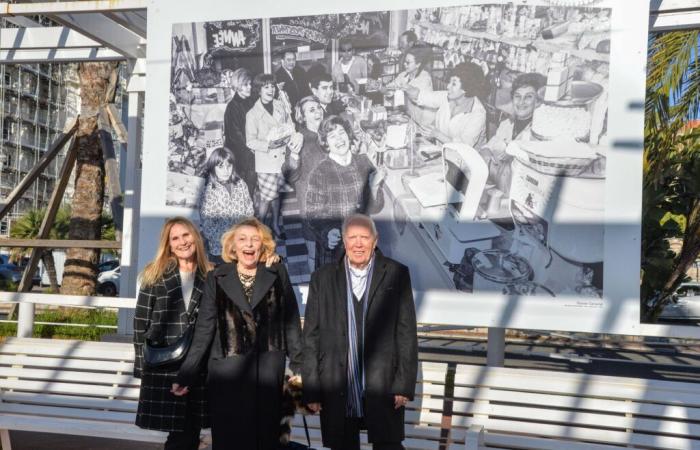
{"x": 524, "y": 97}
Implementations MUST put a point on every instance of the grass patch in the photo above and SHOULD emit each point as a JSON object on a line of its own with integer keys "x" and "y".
{"x": 68, "y": 315}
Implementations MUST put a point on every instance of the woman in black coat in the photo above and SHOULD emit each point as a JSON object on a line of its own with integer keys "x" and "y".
{"x": 234, "y": 128}
{"x": 248, "y": 323}
{"x": 171, "y": 290}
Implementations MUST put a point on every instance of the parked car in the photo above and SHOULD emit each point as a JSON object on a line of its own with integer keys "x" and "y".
{"x": 108, "y": 280}
{"x": 9, "y": 274}
{"x": 107, "y": 265}
{"x": 685, "y": 304}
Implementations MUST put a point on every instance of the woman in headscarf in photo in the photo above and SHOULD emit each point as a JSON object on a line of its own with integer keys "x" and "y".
{"x": 224, "y": 201}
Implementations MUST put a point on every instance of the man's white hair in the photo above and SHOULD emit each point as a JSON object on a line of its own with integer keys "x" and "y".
{"x": 362, "y": 220}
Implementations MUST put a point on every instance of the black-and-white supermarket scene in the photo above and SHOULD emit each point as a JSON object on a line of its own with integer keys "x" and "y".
{"x": 475, "y": 136}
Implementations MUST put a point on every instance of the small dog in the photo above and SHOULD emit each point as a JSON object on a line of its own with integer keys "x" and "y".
{"x": 291, "y": 405}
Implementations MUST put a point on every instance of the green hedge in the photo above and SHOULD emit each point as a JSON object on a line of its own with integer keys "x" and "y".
{"x": 68, "y": 315}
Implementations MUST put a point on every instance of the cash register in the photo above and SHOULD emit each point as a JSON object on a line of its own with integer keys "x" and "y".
{"x": 449, "y": 201}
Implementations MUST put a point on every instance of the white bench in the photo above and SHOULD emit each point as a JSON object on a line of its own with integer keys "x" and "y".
{"x": 496, "y": 407}
{"x": 69, "y": 387}
{"x": 423, "y": 418}
{"x": 86, "y": 388}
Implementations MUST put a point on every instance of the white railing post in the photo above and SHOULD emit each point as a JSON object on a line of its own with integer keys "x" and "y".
{"x": 474, "y": 439}
{"x": 132, "y": 196}
{"x": 496, "y": 347}
{"x": 25, "y": 319}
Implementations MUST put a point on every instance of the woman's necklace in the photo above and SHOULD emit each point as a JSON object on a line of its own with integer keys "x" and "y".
{"x": 244, "y": 271}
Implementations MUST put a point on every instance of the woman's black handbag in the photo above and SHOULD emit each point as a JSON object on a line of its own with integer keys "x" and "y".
{"x": 159, "y": 356}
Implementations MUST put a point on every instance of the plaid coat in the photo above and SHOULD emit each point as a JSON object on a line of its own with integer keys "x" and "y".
{"x": 161, "y": 317}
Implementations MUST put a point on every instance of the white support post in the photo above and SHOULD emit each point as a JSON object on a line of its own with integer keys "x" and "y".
{"x": 267, "y": 46}
{"x": 25, "y": 320}
{"x": 496, "y": 347}
{"x": 5, "y": 439}
{"x": 474, "y": 440}
{"x": 132, "y": 203}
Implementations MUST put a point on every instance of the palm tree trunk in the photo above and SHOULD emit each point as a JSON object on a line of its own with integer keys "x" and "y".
{"x": 50, "y": 266}
{"x": 96, "y": 89}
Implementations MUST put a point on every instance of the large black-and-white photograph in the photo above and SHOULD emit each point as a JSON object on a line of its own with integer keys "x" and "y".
{"x": 476, "y": 136}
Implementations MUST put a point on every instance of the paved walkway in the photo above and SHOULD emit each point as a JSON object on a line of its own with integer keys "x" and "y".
{"x": 23, "y": 440}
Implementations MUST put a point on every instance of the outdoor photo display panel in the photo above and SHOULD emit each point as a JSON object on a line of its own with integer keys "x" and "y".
{"x": 492, "y": 142}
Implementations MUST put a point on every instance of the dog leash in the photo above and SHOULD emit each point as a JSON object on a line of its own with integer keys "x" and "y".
{"x": 306, "y": 430}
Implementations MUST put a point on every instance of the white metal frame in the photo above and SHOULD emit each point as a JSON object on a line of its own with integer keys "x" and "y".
{"x": 116, "y": 30}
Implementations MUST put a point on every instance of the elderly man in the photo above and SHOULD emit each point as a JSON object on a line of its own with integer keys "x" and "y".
{"x": 360, "y": 346}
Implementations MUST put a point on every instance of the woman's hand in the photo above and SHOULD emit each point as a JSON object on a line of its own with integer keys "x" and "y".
{"x": 439, "y": 135}
{"x": 376, "y": 179}
{"x": 273, "y": 259}
{"x": 295, "y": 143}
{"x": 178, "y": 390}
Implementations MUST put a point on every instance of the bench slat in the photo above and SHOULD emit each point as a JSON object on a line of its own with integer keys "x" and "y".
{"x": 70, "y": 388}
{"x": 435, "y": 390}
{"x": 68, "y": 401}
{"x": 63, "y": 363}
{"x": 528, "y": 443}
{"x": 69, "y": 376}
{"x": 575, "y": 384}
{"x": 73, "y": 413}
{"x": 69, "y": 349}
{"x": 80, "y": 427}
{"x": 583, "y": 420}
{"x": 576, "y": 433}
{"x": 579, "y": 403}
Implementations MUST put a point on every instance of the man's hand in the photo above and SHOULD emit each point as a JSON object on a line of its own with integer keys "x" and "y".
{"x": 333, "y": 238}
{"x": 315, "y": 407}
{"x": 178, "y": 390}
{"x": 272, "y": 259}
{"x": 399, "y": 401}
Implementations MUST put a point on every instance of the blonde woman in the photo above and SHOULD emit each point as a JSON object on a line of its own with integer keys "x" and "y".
{"x": 248, "y": 324}
{"x": 170, "y": 295}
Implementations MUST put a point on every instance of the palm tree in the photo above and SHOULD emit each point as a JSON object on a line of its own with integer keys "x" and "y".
{"x": 27, "y": 227}
{"x": 97, "y": 88}
{"x": 671, "y": 206}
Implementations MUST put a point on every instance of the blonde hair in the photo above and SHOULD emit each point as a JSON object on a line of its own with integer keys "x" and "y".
{"x": 165, "y": 261}
{"x": 228, "y": 253}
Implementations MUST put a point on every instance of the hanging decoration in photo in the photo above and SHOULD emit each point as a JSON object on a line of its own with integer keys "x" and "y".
{"x": 233, "y": 36}
{"x": 368, "y": 30}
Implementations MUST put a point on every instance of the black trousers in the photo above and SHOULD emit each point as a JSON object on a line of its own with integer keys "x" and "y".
{"x": 351, "y": 433}
{"x": 184, "y": 440}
